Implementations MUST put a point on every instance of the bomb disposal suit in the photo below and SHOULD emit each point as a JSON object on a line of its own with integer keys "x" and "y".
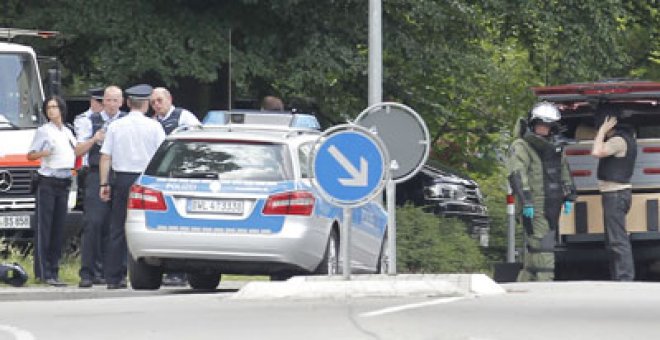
{"x": 540, "y": 178}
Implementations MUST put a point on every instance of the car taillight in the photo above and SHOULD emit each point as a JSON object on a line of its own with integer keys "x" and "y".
{"x": 145, "y": 198}
{"x": 578, "y": 152}
{"x": 290, "y": 203}
{"x": 581, "y": 173}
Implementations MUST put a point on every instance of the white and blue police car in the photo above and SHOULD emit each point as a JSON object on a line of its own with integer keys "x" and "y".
{"x": 237, "y": 198}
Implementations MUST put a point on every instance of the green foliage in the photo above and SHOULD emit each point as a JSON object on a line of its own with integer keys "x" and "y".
{"x": 429, "y": 244}
{"x": 568, "y": 41}
{"x": 494, "y": 188}
{"x": 69, "y": 265}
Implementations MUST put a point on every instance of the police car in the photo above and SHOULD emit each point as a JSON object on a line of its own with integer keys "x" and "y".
{"x": 237, "y": 198}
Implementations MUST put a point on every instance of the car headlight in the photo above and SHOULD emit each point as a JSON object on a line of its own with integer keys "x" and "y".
{"x": 446, "y": 191}
{"x": 460, "y": 193}
{"x": 433, "y": 191}
{"x": 479, "y": 195}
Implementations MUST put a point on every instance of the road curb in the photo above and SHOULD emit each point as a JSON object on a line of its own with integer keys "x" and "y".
{"x": 406, "y": 285}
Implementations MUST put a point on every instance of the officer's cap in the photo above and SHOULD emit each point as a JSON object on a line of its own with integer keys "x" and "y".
{"x": 139, "y": 92}
{"x": 96, "y": 93}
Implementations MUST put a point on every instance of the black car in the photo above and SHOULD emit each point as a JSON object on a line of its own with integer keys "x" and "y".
{"x": 448, "y": 194}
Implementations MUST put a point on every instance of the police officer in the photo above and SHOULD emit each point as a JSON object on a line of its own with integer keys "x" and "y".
{"x": 272, "y": 103}
{"x": 169, "y": 116}
{"x": 616, "y": 150}
{"x": 54, "y": 145}
{"x": 90, "y": 132}
{"x": 128, "y": 147}
{"x": 541, "y": 180}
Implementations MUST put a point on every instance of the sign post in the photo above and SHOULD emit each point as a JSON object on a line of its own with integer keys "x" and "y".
{"x": 349, "y": 168}
{"x": 408, "y": 143}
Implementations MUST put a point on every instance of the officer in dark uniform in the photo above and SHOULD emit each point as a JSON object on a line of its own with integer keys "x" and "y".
{"x": 90, "y": 132}
{"x": 128, "y": 147}
{"x": 87, "y": 126}
{"x": 171, "y": 117}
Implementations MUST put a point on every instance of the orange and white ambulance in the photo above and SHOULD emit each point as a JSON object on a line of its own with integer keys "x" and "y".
{"x": 21, "y": 98}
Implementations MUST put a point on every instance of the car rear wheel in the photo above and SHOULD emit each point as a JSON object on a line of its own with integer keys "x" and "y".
{"x": 203, "y": 280}
{"x": 330, "y": 263}
{"x": 144, "y": 276}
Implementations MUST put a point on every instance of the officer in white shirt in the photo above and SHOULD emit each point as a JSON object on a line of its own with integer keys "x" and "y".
{"x": 54, "y": 145}
{"x": 169, "y": 116}
{"x": 128, "y": 147}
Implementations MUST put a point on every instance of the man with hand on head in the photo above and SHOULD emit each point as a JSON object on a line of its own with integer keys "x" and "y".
{"x": 616, "y": 150}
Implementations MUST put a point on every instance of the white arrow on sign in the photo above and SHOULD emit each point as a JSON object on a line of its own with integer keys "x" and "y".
{"x": 359, "y": 177}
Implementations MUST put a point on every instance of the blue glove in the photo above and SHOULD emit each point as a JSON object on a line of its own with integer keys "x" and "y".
{"x": 568, "y": 207}
{"x": 528, "y": 212}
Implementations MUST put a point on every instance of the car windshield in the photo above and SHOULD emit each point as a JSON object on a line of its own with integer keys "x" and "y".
{"x": 20, "y": 95}
{"x": 229, "y": 160}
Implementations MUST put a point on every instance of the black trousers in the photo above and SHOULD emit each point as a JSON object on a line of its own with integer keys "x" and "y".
{"x": 116, "y": 250}
{"x": 617, "y": 242}
{"x": 95, "y": 232}
{"x": 51, "y": 210}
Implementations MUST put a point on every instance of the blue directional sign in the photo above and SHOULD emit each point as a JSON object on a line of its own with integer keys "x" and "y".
{"x": 349, "y": 166}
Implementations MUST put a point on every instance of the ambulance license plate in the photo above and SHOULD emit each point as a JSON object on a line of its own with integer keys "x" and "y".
{"x": 14, "y": 221}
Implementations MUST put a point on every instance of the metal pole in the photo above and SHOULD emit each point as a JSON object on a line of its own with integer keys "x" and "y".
{"x": 375, "y": 52}
{"x": 346, "y": 244}
{"x": 511, "y": 232}
{"x": 390, "y": 189}
{"x": 229, "y": 74}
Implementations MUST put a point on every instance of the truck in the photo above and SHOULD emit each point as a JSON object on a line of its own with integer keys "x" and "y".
{"x": 21, "y": 98}
{"x": 580, "y": 251}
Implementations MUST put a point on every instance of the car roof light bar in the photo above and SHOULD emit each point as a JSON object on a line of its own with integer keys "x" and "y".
{"x": 11, "y": 33}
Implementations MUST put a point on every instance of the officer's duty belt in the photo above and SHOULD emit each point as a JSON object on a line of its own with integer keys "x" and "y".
{"x": 65, "y": 182}
{"x": 126, "y": 173}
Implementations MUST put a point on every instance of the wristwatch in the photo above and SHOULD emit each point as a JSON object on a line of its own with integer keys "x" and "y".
{"x": 104, "y": 185}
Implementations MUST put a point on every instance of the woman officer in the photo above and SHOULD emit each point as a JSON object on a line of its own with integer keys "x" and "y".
{"x": 54, "y": 145}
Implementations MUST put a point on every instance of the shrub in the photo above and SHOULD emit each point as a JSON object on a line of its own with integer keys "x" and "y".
{"x": 427, "y": 243}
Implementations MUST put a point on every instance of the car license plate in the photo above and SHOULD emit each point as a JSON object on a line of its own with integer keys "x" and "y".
{"x": 15, "y": 222}
{"x": 215, "y": 206}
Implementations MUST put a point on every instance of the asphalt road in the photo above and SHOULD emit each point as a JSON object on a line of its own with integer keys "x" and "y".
{"x": 566, "y": 310}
